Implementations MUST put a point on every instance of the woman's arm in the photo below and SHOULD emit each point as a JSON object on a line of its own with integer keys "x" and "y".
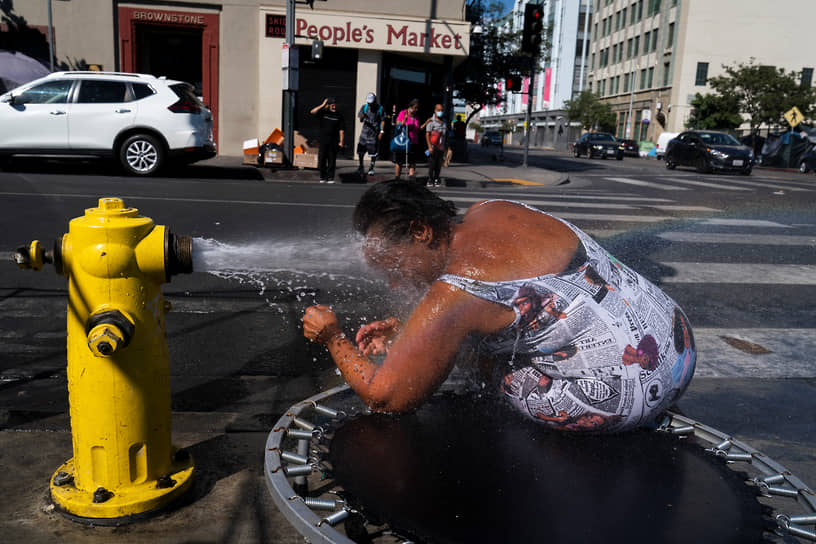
{"x": 422, "y": 355}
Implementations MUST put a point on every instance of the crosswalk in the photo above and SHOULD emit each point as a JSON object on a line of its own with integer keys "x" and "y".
{"x": 672, "y": 183}
{"x": 713, "y": 265}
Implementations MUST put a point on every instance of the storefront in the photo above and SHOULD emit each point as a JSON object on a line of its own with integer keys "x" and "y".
{"x": 231, "y": 52}
{"x": 397, "y": 58}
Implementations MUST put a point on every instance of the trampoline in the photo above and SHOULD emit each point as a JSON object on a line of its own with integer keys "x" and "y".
{"x": 463, "y": 469}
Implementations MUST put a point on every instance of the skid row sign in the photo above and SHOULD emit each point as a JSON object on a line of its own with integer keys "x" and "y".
{"x": 428, "y": 36}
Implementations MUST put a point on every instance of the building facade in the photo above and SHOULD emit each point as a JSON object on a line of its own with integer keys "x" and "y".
{"x": 558, "y": 77}
{"x": 649, "y": 58}
{"x": 231, "y": 51}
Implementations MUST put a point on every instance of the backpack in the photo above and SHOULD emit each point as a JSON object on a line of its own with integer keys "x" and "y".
{"x": 400, "y": 140}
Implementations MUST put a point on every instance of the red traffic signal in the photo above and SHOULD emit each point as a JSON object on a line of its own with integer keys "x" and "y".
{"x": 533, "y": 27}
{"x": 513, "y": 84}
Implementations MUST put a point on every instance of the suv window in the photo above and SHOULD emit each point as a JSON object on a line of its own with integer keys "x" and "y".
{"x": 185, "y": 92}
{"x": 141, "y": 90}
{"x": 51, "y": 92}
{"x": 102, "y": 92}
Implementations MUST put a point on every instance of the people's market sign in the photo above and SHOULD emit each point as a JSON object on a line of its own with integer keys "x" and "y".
{"x": 390, "y": 34}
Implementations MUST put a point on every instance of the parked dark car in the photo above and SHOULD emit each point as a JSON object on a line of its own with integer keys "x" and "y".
{"x": 598, "y": 144}
{"x": 709, "y": 151}
{"x": 808, "y": 162}
{"x": 630, "y": 148}
{"x": 491, "y": 137}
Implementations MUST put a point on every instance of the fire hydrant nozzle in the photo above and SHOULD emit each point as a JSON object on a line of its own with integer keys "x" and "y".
{"x": 118, "y": 363}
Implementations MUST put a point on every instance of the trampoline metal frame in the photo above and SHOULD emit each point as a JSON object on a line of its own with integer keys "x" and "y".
{"x": 282, "y": 465}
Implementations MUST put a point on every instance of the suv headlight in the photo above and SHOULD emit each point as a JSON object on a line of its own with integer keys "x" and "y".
{"x": 717, "y": 153}
{"x": 597, "y": 147}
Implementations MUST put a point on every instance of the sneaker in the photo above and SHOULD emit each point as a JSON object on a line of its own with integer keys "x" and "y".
{"x": 360, "y": 171}
{"x": 429, "y": 184}
{"x": 371, "y": 172}
{"x": 438, "y": 183}
{"x": 329, "y": 181}
{"x": 322, "y": 180}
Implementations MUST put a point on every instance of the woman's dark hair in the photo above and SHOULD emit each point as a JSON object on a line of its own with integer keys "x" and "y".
{"x": 413, "y": 102}
{"x": 397, "y": 205}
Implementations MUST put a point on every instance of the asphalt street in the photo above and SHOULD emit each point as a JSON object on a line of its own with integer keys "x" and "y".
{"x": 738, "y": 253}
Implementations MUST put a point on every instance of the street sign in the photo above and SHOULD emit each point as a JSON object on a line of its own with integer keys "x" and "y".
{"x": 793, "y": 116}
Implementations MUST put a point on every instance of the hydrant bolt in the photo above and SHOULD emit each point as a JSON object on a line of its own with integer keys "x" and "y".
{"x": 165, "y": 482}
{"x": 102, "y": 495}
{"x": 63, "y": 478}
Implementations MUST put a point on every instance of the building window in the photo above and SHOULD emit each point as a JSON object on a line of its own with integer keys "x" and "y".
{"x": 807, "y": 77}
{"x": 614, "y": 53}
{"x": 650, "y": 78}
{"x": 637, "y": 46}
{"x": 592, "y": 62}
{"x": 654, "y": 40}
{"x": 595, "y": 33}
{"x": 702, "y": 73}
{"x": 647, "y": 39}
{"x": 617, "y": 20}
{"x": 602, "y": 87}
{"x": 673, "y": 3}
{"x": 623, "y": 17}
{"x": 654, "y": 7}
{"x": 643, "y": 78}
{"x": 629, "y": 48}
{"x": 621, "y": 124}
{"x": 626, "y": 83}
{"x": 670, "y": 41}
{"x": 666, "y": 72}
{"x": 640, "y": 10}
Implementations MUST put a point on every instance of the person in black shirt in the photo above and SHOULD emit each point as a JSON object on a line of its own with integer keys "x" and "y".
{"x": 332, "y": 130}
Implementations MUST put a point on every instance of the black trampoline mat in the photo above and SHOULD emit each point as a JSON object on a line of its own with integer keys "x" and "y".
{"x": 464, "y": 471}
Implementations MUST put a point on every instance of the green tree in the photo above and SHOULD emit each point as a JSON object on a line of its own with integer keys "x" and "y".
{"x": 764, "y": 93}
{"x": 493, "y": 57}
{"x": 714, "y": 112}
{"x": 587, "y": 109}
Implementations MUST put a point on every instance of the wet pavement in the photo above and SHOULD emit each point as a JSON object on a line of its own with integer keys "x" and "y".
{"x": 238, "y": 360}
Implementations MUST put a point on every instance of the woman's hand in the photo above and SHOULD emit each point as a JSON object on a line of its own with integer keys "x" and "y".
{"x": 320, "y": 324}
{"x": 375, "y": 337}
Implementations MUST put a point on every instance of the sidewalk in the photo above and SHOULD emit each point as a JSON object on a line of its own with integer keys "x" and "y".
{"x": 484, "y": 168}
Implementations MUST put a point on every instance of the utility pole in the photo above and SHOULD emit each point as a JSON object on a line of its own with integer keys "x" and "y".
{"x": 50, "y": 36}
{"x": 289, "y": 82}
{"x": 531, "y": 43}
{"x": 528, "y": 115}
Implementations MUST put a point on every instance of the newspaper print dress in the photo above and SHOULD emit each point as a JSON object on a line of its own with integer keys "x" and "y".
{"x": 597, "y": 347}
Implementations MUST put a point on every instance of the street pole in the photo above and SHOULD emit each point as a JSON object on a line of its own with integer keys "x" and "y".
{"x": 631, "y": 98}
{"x": 528, "y": 115}
{"x": 289, "y": 93}
{"x": 50, "y": 36}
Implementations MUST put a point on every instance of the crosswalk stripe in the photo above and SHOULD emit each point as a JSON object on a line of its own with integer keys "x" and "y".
{"x": 744, "y": 223}
{"x": 577, "y": 217}
{"x": 769, "y": 185}
{"x": 729, "y": 238}
{"x": 705, "y": 184}
{"x": 447, "y": 194}
{"x": 717, "y": 358}
{"x": 554, "y": 203}
{"x": 741, "y": 273}
{"x": 682, "y": 208}
{"x": 642, "y": 183}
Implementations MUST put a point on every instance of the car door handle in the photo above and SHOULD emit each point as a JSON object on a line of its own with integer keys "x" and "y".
{"x": 122, "y": 110}
{"x": 57, "y": 112}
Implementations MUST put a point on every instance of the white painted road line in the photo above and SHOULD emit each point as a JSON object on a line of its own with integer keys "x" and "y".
{"x": 681, "y": 208}
{"x": 770, "y": 185}
{"x": 447, "y": 194}
{"x": 788, "y": 358}
{"x": 184, "y": 199}
{"x": 740, "y": 273}
{"x": 744, "y": 223}
{"x": 705, "y": 184}
{"x": 553, "y": 203}
{"x": 748, "y": 239}
{"x": 642, "y": 183}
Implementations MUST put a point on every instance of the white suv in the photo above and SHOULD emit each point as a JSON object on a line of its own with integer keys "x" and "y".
{"x": 141, "y": 120}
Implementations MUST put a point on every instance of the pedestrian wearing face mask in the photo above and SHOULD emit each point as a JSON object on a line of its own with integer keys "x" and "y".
{"x": 436, "y": 140}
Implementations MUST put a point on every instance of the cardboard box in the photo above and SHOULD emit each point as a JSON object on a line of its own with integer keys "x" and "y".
{"x": 251, "y": 151}
{"x": 275, "y": 137}
{"x": 273, "y": 156}
{"x": 305, "y": 160}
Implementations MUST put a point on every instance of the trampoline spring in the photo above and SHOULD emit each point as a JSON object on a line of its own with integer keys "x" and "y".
{"x": 775, "y": 479}
{"x": 325, "y": 410}
{"x": 783, "y": 491}
{"x": 688, "y": 429}
{"x": 300, "y": 433}
{"x": 321, "y": 504}
{"x": 747, "y": 457}
{"x": 299, "y": 470}
{"x": 334, "y": 519}
{"x": 783, "y": 520}
{"x": 293, "y": 457}
{"x": 722, "y": 446}
{"x": 303, "y": 424}
{"x": 796, "y": 530}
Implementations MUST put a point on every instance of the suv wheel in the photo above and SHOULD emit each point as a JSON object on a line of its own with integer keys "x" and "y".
{"x": 670, "y": 164}
{"x": 141, "y": 155}
{"x": 803, "y": 167}
{"x": 702, "y": 165}
{"x": 575, "y": 152}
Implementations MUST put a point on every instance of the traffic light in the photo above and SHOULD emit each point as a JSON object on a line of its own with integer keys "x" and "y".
{"x": 533, "y": 26}
{"x": 317, "y": 50}
{"x": 513, "y": 84}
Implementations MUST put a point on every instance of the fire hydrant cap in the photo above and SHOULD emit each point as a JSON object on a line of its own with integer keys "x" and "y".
{"x": 112, "y": 206}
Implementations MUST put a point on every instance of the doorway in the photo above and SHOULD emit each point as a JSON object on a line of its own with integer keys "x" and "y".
{"x": 184, "y": 64}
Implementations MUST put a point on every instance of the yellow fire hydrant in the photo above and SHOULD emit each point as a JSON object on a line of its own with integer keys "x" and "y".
{"x": 118, "y": 365}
